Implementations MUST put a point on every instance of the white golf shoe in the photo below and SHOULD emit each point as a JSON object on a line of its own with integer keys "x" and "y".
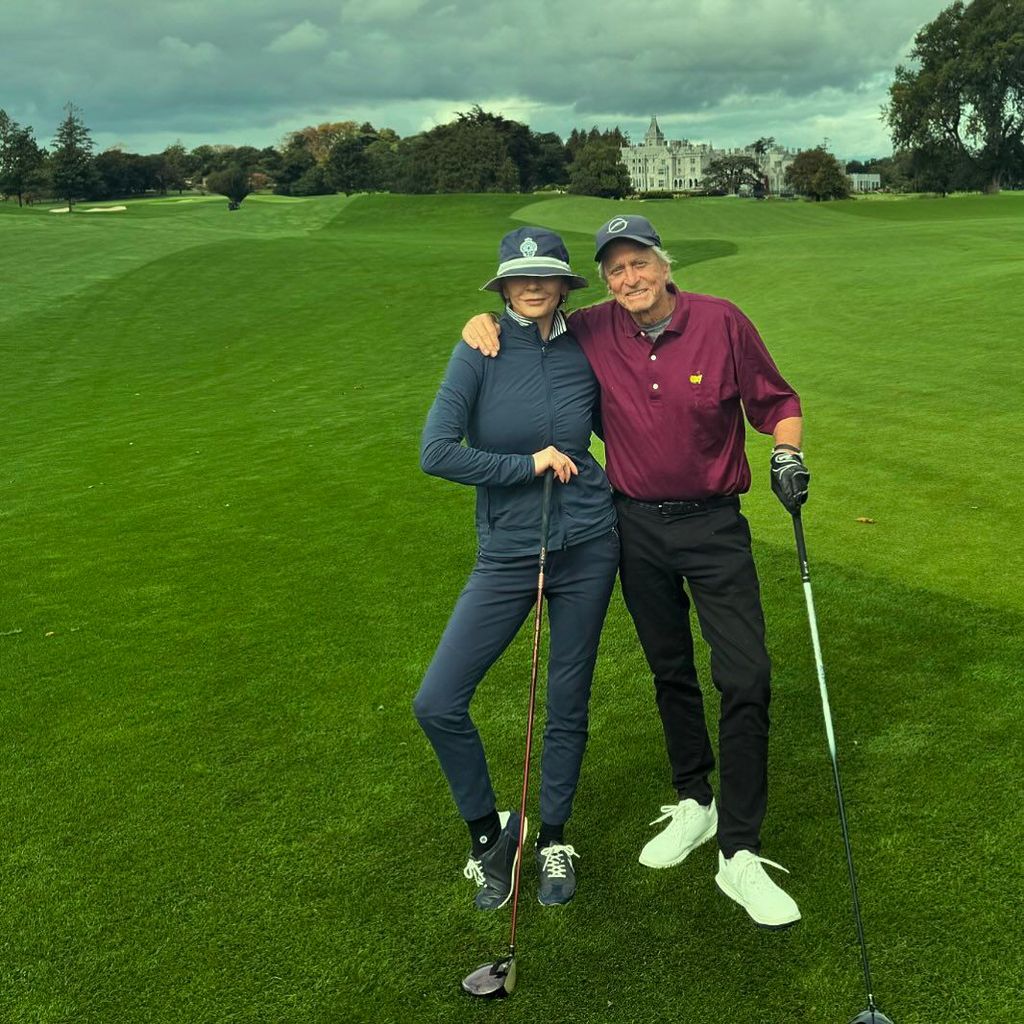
{"x": 743, "y": 879}
{"x": 689, "y": 825}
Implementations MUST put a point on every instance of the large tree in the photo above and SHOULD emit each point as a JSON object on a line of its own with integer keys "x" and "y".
{"x": 818, "y": 174}
{"x": 940, "y": 167}
{"x": 312, "y": 182}
{"x": 347, "y": 168}
{"x": 520, "y": 143}
{"x": 206, "y": 159}
{"x": 579, "y": 139}
{"x": 21, "y": 159}
{"x": 296, "y": 160}
{"x": 382, "y": 160}
{"x": 762, "y": 147}
{"x": 177, "y": 166}
{"x": 598, "y": 170}
{"x": 71, "y": 161}
{"x": 728, "y": 173}
{"x": 121, "y": 174}
{"x": 549, "y": 168}
{"x": 319, "y": 139}
{"x": 967, "y": 89}
{"x": 465, "y": 155}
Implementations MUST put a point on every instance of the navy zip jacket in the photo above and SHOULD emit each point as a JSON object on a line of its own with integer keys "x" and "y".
{"x": 530, "y": 396}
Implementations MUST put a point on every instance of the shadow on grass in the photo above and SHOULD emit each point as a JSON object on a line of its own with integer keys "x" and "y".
{"x": 700, "y": 250}
{"x": 926, "y": 714}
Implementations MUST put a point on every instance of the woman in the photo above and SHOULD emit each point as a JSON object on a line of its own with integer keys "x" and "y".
{"x": 530, "y": 410}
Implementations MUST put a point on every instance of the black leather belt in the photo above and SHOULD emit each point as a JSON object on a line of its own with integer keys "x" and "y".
{"x": 681, "y": 508}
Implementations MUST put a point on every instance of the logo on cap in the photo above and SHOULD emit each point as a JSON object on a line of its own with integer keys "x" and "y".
{"x": 618, "y": 224}
{"x": 528, "y": 248}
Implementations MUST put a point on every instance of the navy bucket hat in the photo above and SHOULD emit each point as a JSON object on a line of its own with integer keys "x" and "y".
{"x": 533, "y": 252}
{"x": 635, "y": 228}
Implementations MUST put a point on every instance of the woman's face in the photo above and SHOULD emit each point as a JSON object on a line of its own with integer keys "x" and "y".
{"x": 534, "y": 297}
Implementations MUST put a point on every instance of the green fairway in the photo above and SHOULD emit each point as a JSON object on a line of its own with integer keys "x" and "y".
{"x": 223, "y": 576}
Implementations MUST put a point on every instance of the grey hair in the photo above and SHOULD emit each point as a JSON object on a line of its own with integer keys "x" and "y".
{"x": 661, "y": 254}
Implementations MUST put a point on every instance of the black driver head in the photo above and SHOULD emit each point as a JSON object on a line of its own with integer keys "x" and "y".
{"x": 871, "y": 1017}
{"x": 495, "y": 981}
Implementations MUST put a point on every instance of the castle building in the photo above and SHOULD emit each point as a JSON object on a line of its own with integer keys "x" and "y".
{"x": 679, "y": 165}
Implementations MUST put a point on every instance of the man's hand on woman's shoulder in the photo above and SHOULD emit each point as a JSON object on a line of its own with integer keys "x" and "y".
{"x": 481, "y": 333}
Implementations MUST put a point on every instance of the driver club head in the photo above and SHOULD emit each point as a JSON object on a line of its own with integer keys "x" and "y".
{"x": 498, "y": 980}
{"x": 871, "y": 1017}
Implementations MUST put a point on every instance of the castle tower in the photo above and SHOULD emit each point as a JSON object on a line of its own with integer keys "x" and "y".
{"x": 654, "y": 136}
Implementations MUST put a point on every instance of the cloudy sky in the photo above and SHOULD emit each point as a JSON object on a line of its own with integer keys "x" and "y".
{"x": 249, "y": 71}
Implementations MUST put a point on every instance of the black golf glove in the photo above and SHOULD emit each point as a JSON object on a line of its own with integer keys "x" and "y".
{"x": 790, "y": 478}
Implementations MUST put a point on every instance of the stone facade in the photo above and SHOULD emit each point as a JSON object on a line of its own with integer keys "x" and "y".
{"x": 865, "y": 182}
{"x": 678, "y": 165}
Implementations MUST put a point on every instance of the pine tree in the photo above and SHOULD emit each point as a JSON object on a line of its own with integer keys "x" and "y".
{"x": 74, "y": 174}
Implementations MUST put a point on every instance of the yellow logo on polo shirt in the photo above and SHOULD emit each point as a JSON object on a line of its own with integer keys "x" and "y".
{"x": 696, "y": 378}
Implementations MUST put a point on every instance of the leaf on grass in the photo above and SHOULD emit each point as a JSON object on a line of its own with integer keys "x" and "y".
{"x": 863, "y": 519}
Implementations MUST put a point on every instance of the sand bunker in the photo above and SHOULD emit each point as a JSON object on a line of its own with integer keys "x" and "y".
{"x": 92, "y": 209}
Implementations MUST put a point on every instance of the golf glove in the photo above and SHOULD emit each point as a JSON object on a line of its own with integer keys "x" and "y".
{"x": 790, "y": 478}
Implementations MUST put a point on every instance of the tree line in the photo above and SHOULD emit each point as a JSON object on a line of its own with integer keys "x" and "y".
{"x": 476, "y": 152}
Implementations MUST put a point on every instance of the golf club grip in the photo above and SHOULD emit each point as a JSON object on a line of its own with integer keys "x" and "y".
{"x": 545, "y": 514}
{"x": 801, "y": 547}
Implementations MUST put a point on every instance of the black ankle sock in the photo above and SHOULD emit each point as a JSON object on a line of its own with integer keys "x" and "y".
{"x": 550, "y": 835}
{"x": 484, "y": 832}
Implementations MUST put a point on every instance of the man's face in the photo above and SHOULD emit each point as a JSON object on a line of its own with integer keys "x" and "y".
{"x": 637, "y": 279}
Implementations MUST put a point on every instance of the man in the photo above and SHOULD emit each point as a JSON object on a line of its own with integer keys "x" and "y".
{"x": 678, "y": 371}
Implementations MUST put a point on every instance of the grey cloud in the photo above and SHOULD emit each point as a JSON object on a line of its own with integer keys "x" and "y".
{"x": 185, "y": 67}
{"x": 300, "y": 38}
{"x": 192, "y": 56}
{"x": 382, "y": 11}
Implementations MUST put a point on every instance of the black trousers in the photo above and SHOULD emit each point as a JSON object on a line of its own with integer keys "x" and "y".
{"x": 709, "y": 551}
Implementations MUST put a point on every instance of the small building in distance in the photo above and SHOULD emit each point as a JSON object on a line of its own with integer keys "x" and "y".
{"x": 678, "y": 165}
{"x": 865, "y": 182}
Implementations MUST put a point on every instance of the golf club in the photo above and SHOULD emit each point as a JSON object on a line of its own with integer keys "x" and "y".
{"x": 498, "y": 979}
{"x": 872, "y": 1015}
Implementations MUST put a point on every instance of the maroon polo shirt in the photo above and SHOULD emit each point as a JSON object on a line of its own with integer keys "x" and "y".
{"x": 673, "y": 409}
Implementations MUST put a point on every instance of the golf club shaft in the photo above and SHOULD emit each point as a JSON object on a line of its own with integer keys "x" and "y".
{"x": 805, "y": 575}
{"x": 538, "y": 617}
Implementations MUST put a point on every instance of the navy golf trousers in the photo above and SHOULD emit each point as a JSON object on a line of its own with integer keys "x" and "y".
{"x": 496, "y": 600}
{"x": 710, "y": 551}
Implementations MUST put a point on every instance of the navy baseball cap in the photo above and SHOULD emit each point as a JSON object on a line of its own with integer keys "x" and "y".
{"x": 533, "y": 252}
{"x": 633, "y": 227}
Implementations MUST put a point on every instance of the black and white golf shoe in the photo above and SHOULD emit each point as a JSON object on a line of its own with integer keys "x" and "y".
{"x": 493, "y": 870}
{"x": 557, "y": 874}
